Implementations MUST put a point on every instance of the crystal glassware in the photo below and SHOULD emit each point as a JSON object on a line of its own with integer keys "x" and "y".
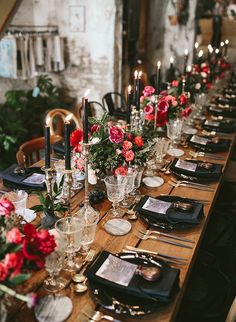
{"x": 115, "y": 191}
{"x": 137, "y": 181}
{"x": 174, "y": 131}
{"x": 70, "y": 229}
{"x": 19, "y": 199}
{"x": 53, "y": 264}
{"x": 129, "y": 186}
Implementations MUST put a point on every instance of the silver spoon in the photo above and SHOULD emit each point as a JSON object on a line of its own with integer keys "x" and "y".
{"x": 81, "y": 287}
{"x": 80, "y": 277}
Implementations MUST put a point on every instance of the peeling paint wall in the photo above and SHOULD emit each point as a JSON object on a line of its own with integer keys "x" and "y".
{"x": 94, "y": 54}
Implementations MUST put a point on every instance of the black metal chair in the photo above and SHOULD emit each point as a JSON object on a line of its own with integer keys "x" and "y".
{"x": 115, "y": 104}
{"x": 96, "y": 107}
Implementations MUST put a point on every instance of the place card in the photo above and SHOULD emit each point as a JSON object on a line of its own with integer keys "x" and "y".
{"x": 185, "y": 165}
{"x": 35, "y": 178}
{"x": 156, "y": 205}
{"x": 117, "y": 270}
{"x": 212, "y": 123}
{"x": 199, "y": 140}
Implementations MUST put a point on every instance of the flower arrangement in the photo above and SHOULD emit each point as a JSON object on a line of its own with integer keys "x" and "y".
{"x": 21, "y": 250}
{"x": 168, "y": 106}
{"x": 114, "y": 146}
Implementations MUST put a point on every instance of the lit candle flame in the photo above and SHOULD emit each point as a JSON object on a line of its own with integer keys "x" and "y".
{"x": 136, "y": 74}
{"x": 48, "y": 120}
{"x": 217, "y": 51}
{"x": 158, "y": 64}
{"x": 171, "y": 60}
{"x": 227, "y": 42}
{"x": 87, "y": 93}
{"x": 140, "y": 74}
{"x": 222, "y": 44}
{"x": 129, "y": 89}
{"x": 186, "y": 52}
{"x": 68, "y": 118}
{"x": 200, "y": 54}
{"x": 196, "y": 45}
{"x": 189, "y": 68}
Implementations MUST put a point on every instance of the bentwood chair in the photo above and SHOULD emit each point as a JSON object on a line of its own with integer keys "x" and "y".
{"x": 115, "y": 104}
{"x": 56, "y": 119}
{"x": 29, "y": 152}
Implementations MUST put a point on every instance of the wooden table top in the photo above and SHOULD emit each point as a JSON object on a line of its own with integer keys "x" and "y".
{"x": 105, "y": 241}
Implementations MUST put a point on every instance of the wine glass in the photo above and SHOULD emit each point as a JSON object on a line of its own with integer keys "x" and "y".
{"x": 70, "y": 229}
{"x": 137, "y": 181}
{"x": 53, "y": 265}
{"x": 115, "y": 191}
{"x": 174, "y": 129}
{"x": 129, "y": 186}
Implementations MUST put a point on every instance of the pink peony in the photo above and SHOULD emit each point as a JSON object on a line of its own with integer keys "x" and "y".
{"x": 6, "y": 207}
{"x": 3, "y": 271}
{"x": 127, "y": 145}
{"x": 14, "y": 236}
{"x": 171, "y": 99}
{"x": 129, "y": 155}
{"x": 80, "y": 164}
{"x": 138, "y": 140}
{"x": 116, "y": 135}
{"x": 148, "y": 109}
{"x": 148, "y": 90}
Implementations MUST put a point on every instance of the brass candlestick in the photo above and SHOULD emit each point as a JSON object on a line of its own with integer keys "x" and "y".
{"x": 67, "y": 187}
{"x": 49, "y": 179}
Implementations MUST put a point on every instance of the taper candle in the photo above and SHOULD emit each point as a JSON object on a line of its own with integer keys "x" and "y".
{"x": 67, "y": 142}
{"x": 135, "y": 87}
{"x": 47, "y": 147}
{"x": 85, "y": 116}
{"x": 129, "y": 100}
{"x": 185, "y": 60}
{"x": 138, "y": 91}
{"x": 171, "y": 63}
{"x": 226, "y": 47}
{"x": 158, "y": 77}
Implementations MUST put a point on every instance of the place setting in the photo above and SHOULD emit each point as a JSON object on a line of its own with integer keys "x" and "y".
{"x": 209, "y": 144}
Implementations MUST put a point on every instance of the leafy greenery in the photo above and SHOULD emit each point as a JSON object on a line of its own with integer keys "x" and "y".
{"x": 22, "y": 116}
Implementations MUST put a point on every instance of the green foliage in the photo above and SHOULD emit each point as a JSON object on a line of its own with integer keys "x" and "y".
{"x": 22, "y": 115}
{"x": 19, "y": 279}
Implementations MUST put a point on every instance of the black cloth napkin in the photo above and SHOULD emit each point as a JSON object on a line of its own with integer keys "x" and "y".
{"x": 222, "y": 145}
{"x": 173, "y": 215}
{"x": 212, "y": 174}
{"x": 226, "y": 101}
{"x": 218, "y": 111}
{"x": 162, "y": 288}
{"x": 16, "y": 180}
{"x": 227, "y": 126}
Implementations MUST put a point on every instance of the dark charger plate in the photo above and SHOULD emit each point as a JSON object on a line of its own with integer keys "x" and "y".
{"x": 125, "y": 304}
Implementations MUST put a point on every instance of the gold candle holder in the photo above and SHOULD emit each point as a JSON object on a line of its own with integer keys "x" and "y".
{"x": 67, "y": 187}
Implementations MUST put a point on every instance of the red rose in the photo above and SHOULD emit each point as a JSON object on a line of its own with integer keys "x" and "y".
{"x": 161, "y": 118}
{"x": 129, "y": 136}
{"x": 77, "y": 148}
{"x": 122, "y": 171}
{"x": 95, "y": 127}
{"x": 116, "y": 135}
{"x": 149, "y": 117}
{"x": 148, "y": 90}
{"x": 47, "y": 242}
{"x": 3, "y": 271}
{"x": 14, "y": 261}
{"x": 129, "y": 155}
{"x": 148, "y": 109}
{"x": 209, "y": 85}
{"x": 187, "y": 111}
{"x": 138, "y": 140}
{"x": 175, "y": 83}
{"x": 163, "y": 105}
{"x": 183, "y": 99}
{"x": 6, "y": 207}
{"x": 14, "y": 236}
{"x": 76, "y": 137}
{"x": 127, "y": 145}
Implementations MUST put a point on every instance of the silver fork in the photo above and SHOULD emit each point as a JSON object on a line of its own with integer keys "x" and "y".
{"x": 189, "y": 182}
{"x": 207, "y": 155}
{"x": 163, "y": 240}
{"x": 153, "y": 232}
{"x": 190, "y": 185}
{"x": 98, "y": 316}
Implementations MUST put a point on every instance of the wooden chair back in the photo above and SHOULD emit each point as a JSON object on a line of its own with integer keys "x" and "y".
{"x": 29, "y": 152}
{"x": 57, "y": 119}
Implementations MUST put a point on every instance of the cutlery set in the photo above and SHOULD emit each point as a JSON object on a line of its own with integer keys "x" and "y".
{"x": 207, "y": 155}
{"x": 193, "y": 185}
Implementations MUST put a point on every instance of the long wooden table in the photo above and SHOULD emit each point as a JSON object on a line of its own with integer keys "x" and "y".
{"x": 105, "y": 241}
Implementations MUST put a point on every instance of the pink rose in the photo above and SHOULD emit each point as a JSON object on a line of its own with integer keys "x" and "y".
{"x": 183, "y": 99}
{"x": 175, "y": 83}
{"x": 142, "y": 99}
{"x": 127, "y": 145}
{"x": 187, "y": 111}
{"x": 116, "y": 135}
{"x": 148, "y": 90}
{"x": 80, "y": 164}
{"x": 14, "y": 261}
{"x": 129, "y": 155}
{"x": 148, "y": 109}
{"x": 122, "y": 171}
{"x": 3, "y": 271}
{"x": 163, "y": 105}
{"x": 163, "y": 93}
{"x": 95, "y": 127}
{"x": 14, "y": 236}
{"x": 171, "y": 99}
{"x": 138, "y": 140}
{"x": 149, "y": 117}
{"x": 6, "y": 207}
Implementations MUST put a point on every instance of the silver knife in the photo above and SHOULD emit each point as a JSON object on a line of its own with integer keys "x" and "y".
{"x": 212, "y": 156}
{"x": 140, "y": 250}
{"x": 190, "y": 185}
{"x": 173, "y": 237}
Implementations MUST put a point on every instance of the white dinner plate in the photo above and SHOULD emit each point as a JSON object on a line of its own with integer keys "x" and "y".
{"x": 153, "y": 181}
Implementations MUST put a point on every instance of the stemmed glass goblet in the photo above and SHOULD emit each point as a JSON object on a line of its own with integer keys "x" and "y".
{"x": 174, "y": 131}
{"x": 129, "y": 186}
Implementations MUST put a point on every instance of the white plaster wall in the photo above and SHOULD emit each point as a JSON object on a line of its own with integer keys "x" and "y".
{"x": 92, "y": 55}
